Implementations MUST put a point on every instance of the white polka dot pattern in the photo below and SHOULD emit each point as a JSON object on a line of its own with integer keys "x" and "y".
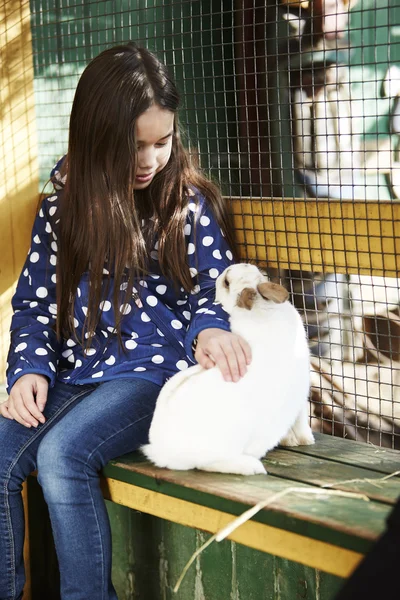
{"x": 105, "y": 305}
{"x": 42, "y": 319}
{"x": 207, "y": 240}
{"x": 182, "y": 365}
{"x": 131, "y": 344}
{"x": 125, "y": 309}
{"x": 41, "y": 292}
{"x": 157, "y": 359}
{"x": 204, "y": 221}
{"x": 152, "y": 300}
{"x": 156, "y": 340}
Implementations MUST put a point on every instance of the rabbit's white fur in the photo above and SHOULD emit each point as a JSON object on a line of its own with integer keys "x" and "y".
{"x": 204, "y": 422}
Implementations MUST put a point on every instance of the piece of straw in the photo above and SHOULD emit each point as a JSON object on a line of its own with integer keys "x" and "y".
{"x": 376, "y": 482}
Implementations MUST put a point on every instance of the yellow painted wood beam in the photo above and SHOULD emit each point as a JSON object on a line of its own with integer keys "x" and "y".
{"x": 18, "y": 153}
{"x": 18, "y": 167}
{"x": 328, "y": 236}
{"x": 278, "y": 542}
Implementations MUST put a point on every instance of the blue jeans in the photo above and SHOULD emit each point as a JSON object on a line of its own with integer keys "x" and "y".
{"x": 85, "y": 427}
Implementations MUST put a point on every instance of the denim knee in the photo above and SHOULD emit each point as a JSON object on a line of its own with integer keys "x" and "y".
{"x": 15, "y": 466}
{"x": 58, "y": 464}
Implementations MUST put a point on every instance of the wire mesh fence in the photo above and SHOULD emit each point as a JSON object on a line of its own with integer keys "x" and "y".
{"x": 281, "y": 99}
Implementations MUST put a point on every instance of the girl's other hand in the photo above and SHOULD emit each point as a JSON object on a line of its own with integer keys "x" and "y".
{"x": 28, "y": 397}
{"x": 230, "y": 352}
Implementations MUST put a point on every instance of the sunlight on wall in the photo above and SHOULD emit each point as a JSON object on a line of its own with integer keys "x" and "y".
{"x": 18, "y": 154}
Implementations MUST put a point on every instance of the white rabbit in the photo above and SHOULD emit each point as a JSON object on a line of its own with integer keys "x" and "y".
{"x": 204, "y": 422}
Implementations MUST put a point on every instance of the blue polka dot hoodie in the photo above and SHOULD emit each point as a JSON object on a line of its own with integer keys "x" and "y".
{"x": 159, "y": 323}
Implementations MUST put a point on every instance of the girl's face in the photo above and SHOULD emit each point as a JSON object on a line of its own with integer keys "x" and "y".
{"x": 153, "y": 132}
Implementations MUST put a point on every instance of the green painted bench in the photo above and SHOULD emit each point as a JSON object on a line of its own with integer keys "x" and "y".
{"x": 300, "y": 546}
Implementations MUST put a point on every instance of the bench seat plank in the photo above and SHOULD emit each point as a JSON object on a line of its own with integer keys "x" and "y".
{"x": 318, "y": 471}
{"x": 350, "y": 452}
{"x": 348, "y": 522}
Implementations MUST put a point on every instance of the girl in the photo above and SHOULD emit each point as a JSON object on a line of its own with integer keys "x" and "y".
{"x": 117, "y": 287}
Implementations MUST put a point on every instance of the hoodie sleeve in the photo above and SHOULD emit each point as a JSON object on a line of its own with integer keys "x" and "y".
{"x": 34, "y": 347}
{"x": 208, "y": 256}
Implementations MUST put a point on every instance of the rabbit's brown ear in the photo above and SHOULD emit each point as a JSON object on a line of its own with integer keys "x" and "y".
{"x": 273, "y": 291}
{"x": 246, "y": 298}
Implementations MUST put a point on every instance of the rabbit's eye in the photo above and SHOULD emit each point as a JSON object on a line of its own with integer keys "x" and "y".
{"x": 226, "y": 283}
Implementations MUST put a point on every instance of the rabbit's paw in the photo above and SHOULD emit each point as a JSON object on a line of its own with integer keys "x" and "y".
{"x": 306, "y": 439}
{"x": 241, "y": 465}
{"x": 292, "y": 439}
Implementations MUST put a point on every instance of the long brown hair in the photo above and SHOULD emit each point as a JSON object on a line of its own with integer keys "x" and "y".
{"x": 100, "y": 215}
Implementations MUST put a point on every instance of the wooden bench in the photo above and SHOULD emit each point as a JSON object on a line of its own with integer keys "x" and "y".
{"x": 300, "y": 546}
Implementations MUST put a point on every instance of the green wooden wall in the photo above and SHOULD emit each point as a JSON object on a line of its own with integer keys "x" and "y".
{"x": 149, "y": 555}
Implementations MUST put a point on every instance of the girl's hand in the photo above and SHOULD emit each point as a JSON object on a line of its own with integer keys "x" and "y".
{"x": 230, "y": 352}
{"x": 28, "y": 397}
